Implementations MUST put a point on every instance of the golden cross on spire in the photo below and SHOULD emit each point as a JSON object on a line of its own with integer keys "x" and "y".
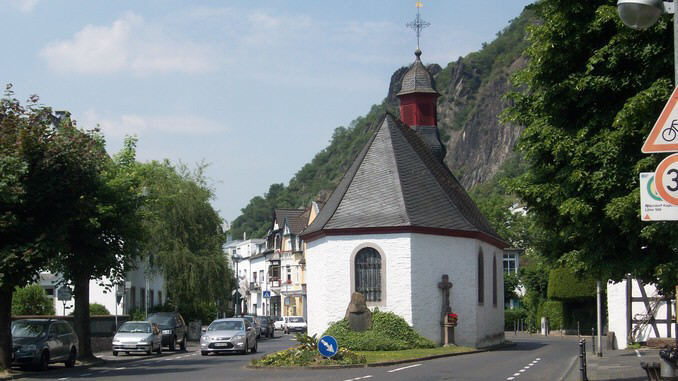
{"x": 418, "y": 24}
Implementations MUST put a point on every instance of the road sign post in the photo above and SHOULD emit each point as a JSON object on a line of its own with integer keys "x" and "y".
{"x": 328, "y": 346}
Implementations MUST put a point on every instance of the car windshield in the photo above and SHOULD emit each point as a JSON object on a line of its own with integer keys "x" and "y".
{"x": 226, "y": 326}
{"x": 162, "y": 319}
{"x": 263, "y": 320}
{"x": 28, "y": 329}
{"x": 135, "y": 328}
{"x": 296, "y": 320}
{"x": 250, "y": 319}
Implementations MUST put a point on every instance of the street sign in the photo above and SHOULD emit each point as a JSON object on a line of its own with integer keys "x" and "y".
{"x": 652, "y": 206}
{"x": 328, "y": 346}
{"x": 666, "y": 179}
{"x": 64, "y": 293}
{"x": 664, "y": 134}
{"x": 267, "y": 294}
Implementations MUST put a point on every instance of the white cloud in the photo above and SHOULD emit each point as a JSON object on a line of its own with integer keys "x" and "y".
{"x": 141, "y": 125}
{"x": 22, "y": 5}
{"x": 129, "y": 44}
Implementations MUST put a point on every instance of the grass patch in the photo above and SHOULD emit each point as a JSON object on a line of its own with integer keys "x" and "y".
{"x": 407, "y": 354}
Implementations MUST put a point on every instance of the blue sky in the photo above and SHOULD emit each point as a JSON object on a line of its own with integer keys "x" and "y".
{"x": 255, "y": 88}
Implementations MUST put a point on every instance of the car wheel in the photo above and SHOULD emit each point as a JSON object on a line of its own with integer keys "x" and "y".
{"x": 115, "y": 353}
{"x": 182, "y": 346}
{"x": 204, "y": 353}
{"x": 44, "y": 360}
{"x": 244, "y": 351}
{"x": 70, "y": 362}
{"x": 173, "y": 344}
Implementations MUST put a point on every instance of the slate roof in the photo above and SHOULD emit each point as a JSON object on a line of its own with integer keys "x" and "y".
{"x": 417, "y": 79}
{"x": 396, "y": 182}
{"x": 296, "y": 219}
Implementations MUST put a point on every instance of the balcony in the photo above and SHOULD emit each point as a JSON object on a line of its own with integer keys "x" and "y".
{"x": 274, "y": 282}
{"x": 254, "y": 286}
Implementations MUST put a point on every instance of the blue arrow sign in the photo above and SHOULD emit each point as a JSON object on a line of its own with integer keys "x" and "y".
{"x": 328, "y": 346}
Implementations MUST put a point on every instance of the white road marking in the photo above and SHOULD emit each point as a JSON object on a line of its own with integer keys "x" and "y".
{"x": 538, "y": 359}
{"x": 85, "y": 374}
{"x": 403, "y": 368}
{"x": 359, "y": 378}
{"x": 638, "y": 353}
{"x": 522, "y": 370}
{"x": 516, "y": 374}
{"x": 510, "y": 378}
{"x": 64, "y": 378}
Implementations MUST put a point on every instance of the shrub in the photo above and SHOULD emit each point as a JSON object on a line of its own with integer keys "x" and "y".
{"x": 32, "y": 300}
{"x": 564, "y": 285}
{"x": 554, "y": 311}
{"x": 389, "y": 332}
{"x": 511, "y": 316}
{"x": 306, "y": 354}
{"x": 98, "y": 309}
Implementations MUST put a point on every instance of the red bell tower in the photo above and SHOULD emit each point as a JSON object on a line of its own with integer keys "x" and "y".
{"x": 418, "y": 100}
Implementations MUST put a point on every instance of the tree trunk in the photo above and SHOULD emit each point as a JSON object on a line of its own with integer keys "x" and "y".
{"x": 5, "y": 326}
{"x": 81, "y": 317}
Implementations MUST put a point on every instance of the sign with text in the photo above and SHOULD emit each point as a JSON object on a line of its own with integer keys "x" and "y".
{"x": 652, "y": 206}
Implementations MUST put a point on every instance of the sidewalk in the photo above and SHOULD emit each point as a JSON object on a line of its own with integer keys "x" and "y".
{"x": 622, "y": 365}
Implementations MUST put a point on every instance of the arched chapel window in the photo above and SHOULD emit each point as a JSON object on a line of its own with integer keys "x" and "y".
{"x": 494, "y": 281}
{"x": 481, "y": 278}
{"x": 368, "y": 274}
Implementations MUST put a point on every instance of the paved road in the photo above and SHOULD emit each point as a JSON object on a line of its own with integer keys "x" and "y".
{"x": 533, "y": 358}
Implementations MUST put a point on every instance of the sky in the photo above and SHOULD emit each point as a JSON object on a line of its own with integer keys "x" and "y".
{"x": 252, "y": 88}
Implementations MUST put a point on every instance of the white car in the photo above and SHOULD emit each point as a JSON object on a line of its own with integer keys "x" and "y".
{"x": 278, "y": 323}
{"x": 294, "y": 324}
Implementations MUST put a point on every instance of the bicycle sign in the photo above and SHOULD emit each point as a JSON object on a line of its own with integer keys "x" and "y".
{"x": 664, "y": 134}
{"x": 666, "y": 179}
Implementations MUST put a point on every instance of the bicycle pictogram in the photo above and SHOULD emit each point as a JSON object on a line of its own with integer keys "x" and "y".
{"x": 670, "y": 133}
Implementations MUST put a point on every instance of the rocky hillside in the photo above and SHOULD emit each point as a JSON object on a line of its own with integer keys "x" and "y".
{"x": 472, "y": 98}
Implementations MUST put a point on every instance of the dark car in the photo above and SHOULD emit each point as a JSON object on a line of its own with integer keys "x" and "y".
{"x": 254, "y": 323}
{"x": 266, "y": 324}
{"x": 42, "y": 342}
{"x": 173, "y": 327}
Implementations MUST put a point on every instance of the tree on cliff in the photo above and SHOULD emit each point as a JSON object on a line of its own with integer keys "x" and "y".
{"x": 593, "y": 91}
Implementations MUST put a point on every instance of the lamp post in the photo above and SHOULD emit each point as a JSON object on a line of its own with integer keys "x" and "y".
{"x": 236, "y": 259}
{"x": 642, "y": 14}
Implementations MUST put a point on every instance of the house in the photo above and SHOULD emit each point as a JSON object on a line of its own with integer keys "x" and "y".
{"x": 141, "y": 289}
{"x": 396, "y": 223}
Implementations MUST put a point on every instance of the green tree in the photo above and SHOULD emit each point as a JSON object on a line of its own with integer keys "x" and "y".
{"x": 104, "y": 236}
{"x": 185, "y": 240}
{"x": 98, "y": 309}
{"x": 511, "y": 283}
{"x": 32, "y": 300}
{"x": 42, "y": 169}
{"x": 593, "y": 89}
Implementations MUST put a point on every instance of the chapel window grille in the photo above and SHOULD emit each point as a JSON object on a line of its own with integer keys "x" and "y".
{"x": 368, "y": 274}
{"x": 494, "y": 281}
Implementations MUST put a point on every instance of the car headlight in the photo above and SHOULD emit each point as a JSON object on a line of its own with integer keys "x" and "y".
{"x": 145, "y": 340}
{"x": 239, "y": 336}
{"x": 166, "y": 331}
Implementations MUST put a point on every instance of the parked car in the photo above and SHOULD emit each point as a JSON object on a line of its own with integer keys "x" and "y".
{"x": 278, "y": 322}
{"x": 42, "y": 342}
{"x": 266, "y": 325}
{"x": 229, "y": 335}
{"x": 295, "y": 324}
{"x": 254, "y": 324}
{"x": 173, "y": 327}
{"x": 137, "y": 336}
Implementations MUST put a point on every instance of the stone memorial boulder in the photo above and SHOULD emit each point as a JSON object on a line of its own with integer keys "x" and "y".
{"x": 359, "y": 317}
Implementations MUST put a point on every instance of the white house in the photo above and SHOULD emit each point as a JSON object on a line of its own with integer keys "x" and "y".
{"x": 637, "y": 312}
{"x": 143, "y": 289}
{"x": 397, "y": 222}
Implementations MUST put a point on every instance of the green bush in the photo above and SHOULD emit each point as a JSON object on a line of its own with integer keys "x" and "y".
{"x": 389, "y": 332}
{"x": 511, "y": 316}
{"x": 564, "y": 285}
{"x": 97, "y": 309}
{"x": 306, "y": 353}
{"x": 554, "y": 311}
{"x": 32, "y": 300}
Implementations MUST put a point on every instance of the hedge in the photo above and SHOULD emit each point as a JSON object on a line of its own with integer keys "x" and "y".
{"x": 511, "y": 316}
{"x": 564, "y": 285}
{"x": 554, "y": 311}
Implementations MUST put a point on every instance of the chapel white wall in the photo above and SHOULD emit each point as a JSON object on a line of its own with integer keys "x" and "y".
{"x": 328, "y": 276}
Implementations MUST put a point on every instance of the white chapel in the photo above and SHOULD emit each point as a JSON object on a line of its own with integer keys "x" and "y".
{"x": 397, "y": 222}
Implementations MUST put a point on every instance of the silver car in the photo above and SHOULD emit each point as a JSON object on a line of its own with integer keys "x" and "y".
{"x": 137, "y": 336}
{"x": 42, "y": 342}
{"x": 228, "y": 335}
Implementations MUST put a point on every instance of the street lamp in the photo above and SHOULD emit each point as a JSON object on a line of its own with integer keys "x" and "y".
{"x": 642, "y": 14}
{"x": 236, "y": 258}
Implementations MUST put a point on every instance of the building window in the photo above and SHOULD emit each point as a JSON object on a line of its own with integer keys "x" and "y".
{"x": 289, "y": 274}
{"x": 160, "y": 297}
{"x": 368, "y": 274}
{"x": 142, "y": 298}
{"x": 261, "y": 276}
{"x": 494, "y": 281}
{"x": 151, "y": 301}
{"x": 481, "y": 278}
{"x": 510, "y": 265}
{"x": 133, "y": 294}
{"x": 254, "y": 276}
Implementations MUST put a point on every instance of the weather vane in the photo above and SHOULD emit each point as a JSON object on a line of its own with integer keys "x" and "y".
{"x": 418, "y": 24}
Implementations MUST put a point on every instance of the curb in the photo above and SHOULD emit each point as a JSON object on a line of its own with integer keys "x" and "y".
{"x": 569, "y": 369}
{"x": 389, "y": 363}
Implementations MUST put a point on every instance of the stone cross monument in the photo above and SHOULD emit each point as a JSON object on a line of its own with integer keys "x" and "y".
{"x": 447, "y": 336}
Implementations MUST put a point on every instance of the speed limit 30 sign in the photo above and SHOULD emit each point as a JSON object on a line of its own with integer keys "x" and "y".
{"x": 666, "y": 178}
